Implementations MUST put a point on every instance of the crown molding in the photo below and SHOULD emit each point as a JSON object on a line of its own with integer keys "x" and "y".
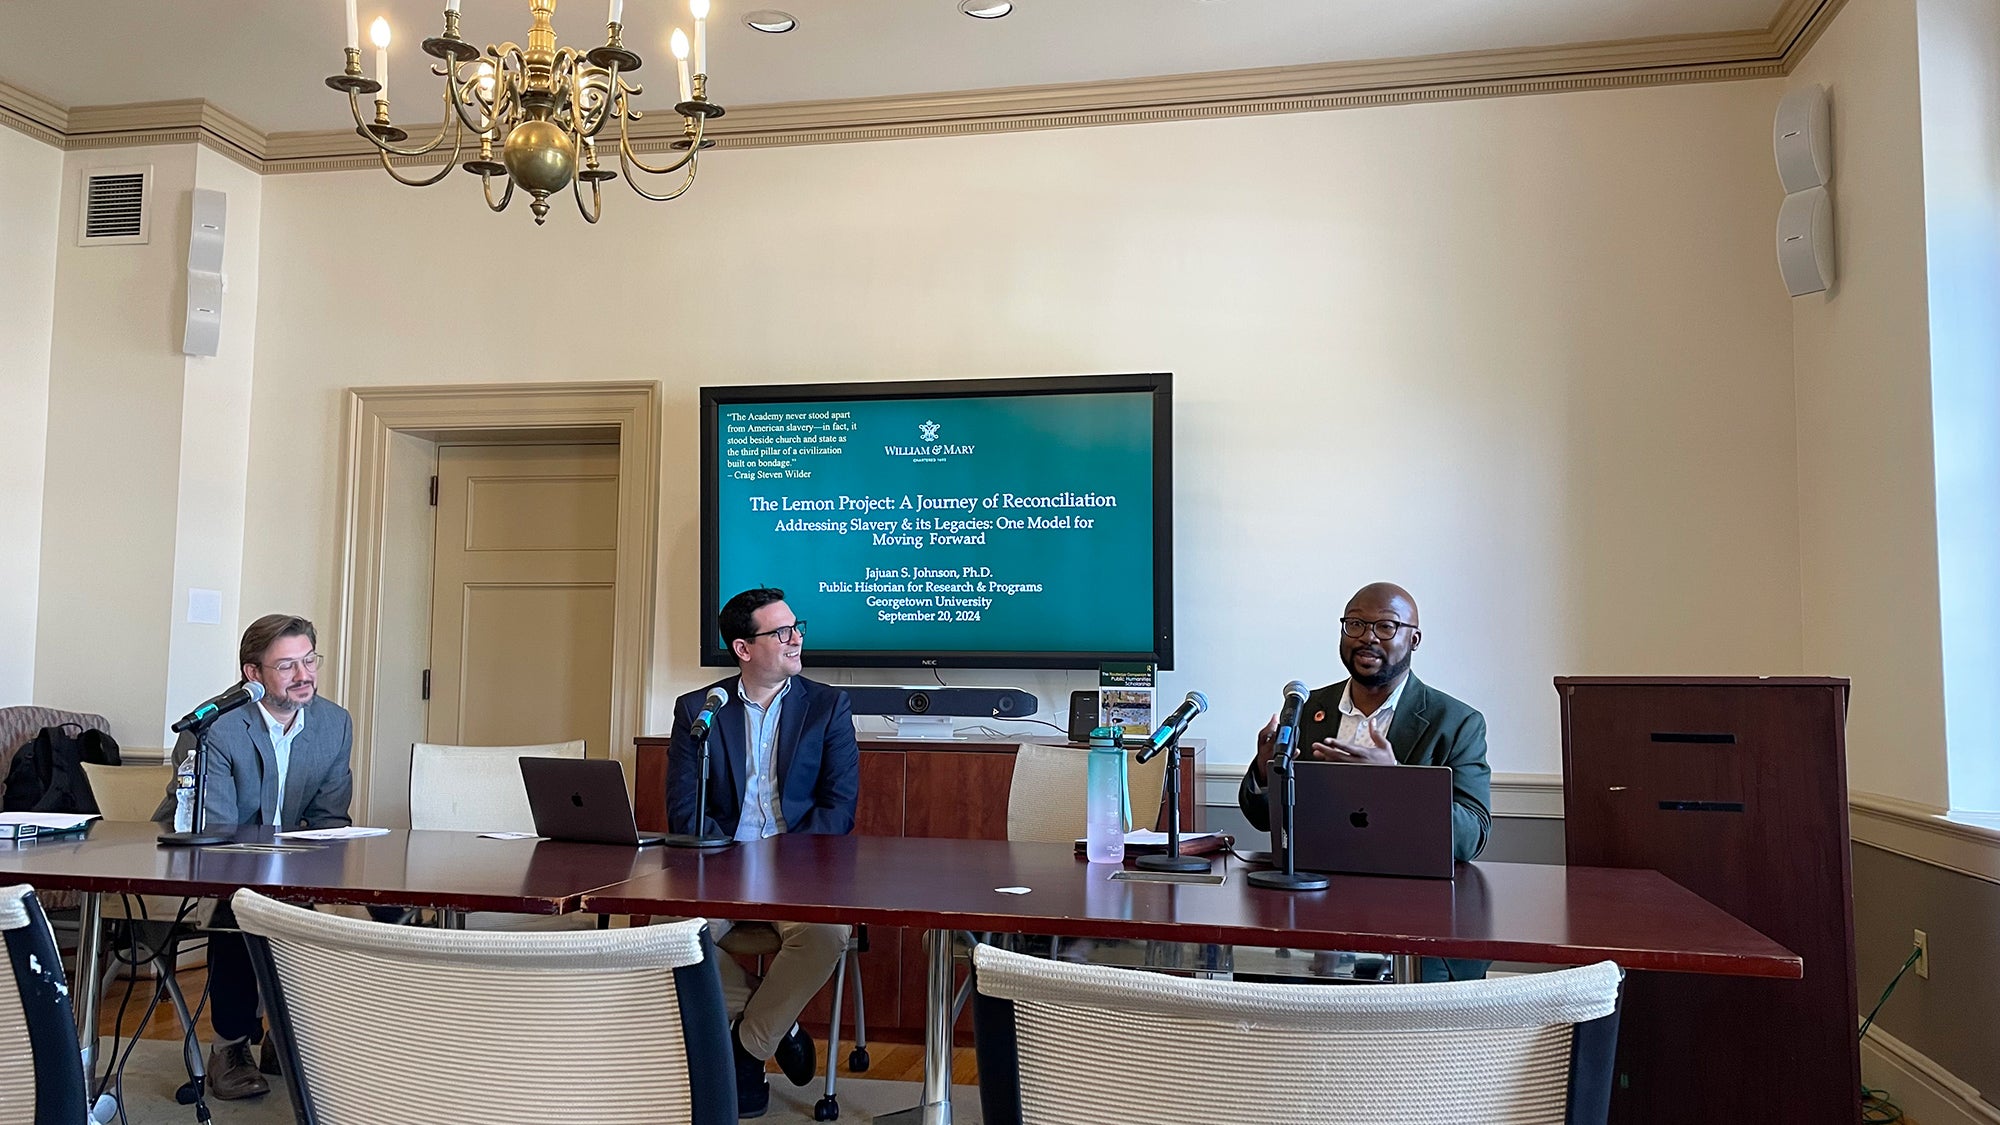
{"x": 1622, "y": 64}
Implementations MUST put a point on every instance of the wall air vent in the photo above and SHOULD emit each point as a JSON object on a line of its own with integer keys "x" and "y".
{"x": 115, "y": 206}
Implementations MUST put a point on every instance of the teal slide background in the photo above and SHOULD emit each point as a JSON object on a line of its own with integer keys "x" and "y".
{"x": 780, "y": 462}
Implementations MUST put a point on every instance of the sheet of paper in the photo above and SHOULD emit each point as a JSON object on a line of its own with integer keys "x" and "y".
{"x": 349, "y": 833}
{"x": 49, "y": 821}
{"x": 509, "y": 836}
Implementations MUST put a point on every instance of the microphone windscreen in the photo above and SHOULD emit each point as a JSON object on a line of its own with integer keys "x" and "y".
{"x": 254, "y": 690}
{"x": 1199, "y": 700}
{"x": 1296, "y": 687}
{"x": 717, "y": 698}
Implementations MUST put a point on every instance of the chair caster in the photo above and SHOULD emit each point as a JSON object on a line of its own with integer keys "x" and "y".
{"x": 857, "y": 1060}
{"x": 187, "y": 1094}
{"x": 826, "y": 1109}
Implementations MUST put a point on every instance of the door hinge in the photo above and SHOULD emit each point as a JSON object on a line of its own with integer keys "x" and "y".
{"x": 434, "y": 491}
{"x": 427, "y": 683}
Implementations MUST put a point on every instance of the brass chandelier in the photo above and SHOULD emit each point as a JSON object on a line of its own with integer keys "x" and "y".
{"x": 543, "y": 106}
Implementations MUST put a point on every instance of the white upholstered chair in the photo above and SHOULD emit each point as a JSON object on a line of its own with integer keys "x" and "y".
{"x": 1045, "y": 801}
{"x": 41, "y": 1062}
{"x": 1090, "y": 1045}
{"x": 398, "y": 1023}
{"x": 475, "y": 788}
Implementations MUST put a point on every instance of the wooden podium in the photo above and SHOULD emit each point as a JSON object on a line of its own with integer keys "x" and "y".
{"x": 951, "y": 789}
{"x": 1737, "y": 790}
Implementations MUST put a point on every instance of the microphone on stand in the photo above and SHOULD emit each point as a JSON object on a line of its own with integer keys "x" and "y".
{"x": 716, "y": 700}
{"x": 1176, "y": 723}
{"x": 1286, "y": 877}
{"x": 1289, "y": 717}
{"x": 248, "y": 692}
{"x": 711, "y": 706}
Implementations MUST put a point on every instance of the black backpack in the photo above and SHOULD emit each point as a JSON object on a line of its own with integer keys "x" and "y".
{"x": 47, "y": 774}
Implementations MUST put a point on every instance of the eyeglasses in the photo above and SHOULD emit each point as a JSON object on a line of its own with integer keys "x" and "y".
{"x": 1384, "y": 630}
{"x": 786, "y": 634}
{"x": 308, "y": 662}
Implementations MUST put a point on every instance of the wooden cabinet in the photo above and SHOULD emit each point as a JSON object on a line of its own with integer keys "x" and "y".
{"x": 923, "y": 788}
{"x": 1737, "y": 790}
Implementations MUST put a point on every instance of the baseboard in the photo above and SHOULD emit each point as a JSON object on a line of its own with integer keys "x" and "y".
{"x": 1926, "y": 1092}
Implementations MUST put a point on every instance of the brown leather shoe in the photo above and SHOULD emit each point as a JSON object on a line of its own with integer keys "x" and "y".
{"x": 267, "y": 1056}
{"x": 232, "y": 1073}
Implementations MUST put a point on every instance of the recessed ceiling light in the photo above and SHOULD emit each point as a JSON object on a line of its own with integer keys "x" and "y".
{"x": 771, "y": 21}
{"x": 985, "y": 9}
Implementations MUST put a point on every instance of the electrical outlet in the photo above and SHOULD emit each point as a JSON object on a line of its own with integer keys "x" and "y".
{"x": 1923, "y": 941}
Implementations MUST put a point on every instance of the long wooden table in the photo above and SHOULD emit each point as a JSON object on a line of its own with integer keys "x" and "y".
{"x": 1519, "y": 912}
{"x": 453, "y": 871}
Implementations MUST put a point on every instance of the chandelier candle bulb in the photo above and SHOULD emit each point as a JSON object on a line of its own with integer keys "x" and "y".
{"x": 379, "y": 32}
{"x": 700, "y": 10}
{"x": 680, "y": 49}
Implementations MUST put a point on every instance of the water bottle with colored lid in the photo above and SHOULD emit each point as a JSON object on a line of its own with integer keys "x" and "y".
{"x": 1104, "y": 799}
{"x": 184, "y": 795}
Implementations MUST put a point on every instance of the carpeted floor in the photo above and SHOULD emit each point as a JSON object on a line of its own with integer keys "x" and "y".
{"x": 155, "y": 1072}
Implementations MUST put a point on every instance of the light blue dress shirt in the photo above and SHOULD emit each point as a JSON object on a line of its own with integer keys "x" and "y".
{"x": 281, "y": 747}
{"x": 763, "y": 811}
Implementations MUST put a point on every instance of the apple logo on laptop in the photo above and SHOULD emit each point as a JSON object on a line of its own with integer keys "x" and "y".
{"x": 576, "y": 799}
{"x": 1358, "y": 818}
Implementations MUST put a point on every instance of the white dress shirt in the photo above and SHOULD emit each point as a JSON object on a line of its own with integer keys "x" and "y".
{"x": 1354, "y": 725}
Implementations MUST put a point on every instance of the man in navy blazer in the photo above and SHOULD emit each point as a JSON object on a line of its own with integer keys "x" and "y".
{"x": 282, "y": 761}
{"x": 782, "y": 758}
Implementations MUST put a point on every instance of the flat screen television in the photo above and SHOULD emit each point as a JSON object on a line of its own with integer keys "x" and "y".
{"x": 978, "y": 523}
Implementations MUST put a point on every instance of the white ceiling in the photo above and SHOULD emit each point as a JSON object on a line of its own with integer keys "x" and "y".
{"x": 264, "y": 60}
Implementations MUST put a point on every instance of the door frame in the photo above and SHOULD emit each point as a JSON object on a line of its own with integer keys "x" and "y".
{"x": 517, "y": 410}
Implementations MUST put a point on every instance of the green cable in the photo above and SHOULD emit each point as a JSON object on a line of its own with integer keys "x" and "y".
{"x": 1876, "y": 1108}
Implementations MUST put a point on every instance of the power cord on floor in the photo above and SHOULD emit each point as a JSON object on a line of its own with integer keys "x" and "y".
{"x": 1876, "y": 1108}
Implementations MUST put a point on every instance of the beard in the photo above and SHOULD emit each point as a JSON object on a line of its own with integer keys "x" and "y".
{"x": 1385, "y": 673}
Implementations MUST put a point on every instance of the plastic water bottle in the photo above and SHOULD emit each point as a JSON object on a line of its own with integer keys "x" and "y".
{"x": 1104, "y": 799}
{"x": 184, "y": 795}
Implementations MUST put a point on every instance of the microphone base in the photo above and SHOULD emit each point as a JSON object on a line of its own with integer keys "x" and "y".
{"x": 1287, "y": 881}
{"x": 193, "y": 839}
{"x": 678, "y": 841}
{"x": 1171, "y": 863}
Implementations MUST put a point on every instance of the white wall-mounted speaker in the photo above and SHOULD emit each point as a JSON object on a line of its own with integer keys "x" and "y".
{"x": 1802, "y": 139}
{"x": 203, "y": 334}
{"x": 1805, "y": 241}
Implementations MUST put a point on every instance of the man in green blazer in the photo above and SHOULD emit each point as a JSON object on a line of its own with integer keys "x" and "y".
{"x": 1383, "y": 715}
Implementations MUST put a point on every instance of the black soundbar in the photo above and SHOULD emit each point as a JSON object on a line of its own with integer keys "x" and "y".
{"x": 957, "y": 702}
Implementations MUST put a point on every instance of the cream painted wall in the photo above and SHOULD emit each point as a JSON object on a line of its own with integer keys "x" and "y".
{"x": 30, "y": 178}
{"x": 215, "y": 454}
{"x": 1861, "y": 353}
{"x": 1528, "y": 356}
{"x": 109, "y": 501}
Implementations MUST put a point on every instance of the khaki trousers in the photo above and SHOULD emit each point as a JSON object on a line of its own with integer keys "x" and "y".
{"x": 805, "y": 959}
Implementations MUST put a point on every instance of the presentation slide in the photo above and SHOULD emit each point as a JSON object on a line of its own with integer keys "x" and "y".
{"x": 1016, "y": 523}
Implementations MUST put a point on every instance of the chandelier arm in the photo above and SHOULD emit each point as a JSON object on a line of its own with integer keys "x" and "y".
{"x": 486, "y": 187}
{"x": 627, "y": 156}
{"x": 596, "y": 200}
{"x": 588, "y": 124}
{"x": 450, "y": 163}
{"x": 363, "y": 127}
{"x": 686, "y": 183}
{"x": 465, "y": 94}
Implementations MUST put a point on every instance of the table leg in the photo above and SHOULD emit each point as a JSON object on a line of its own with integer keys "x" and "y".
{"x": 89, "y": 978}
{"x": 936, "y": 1107}
{"x": 1407, "y": 967}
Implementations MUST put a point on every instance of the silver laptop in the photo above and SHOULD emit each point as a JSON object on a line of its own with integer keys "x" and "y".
{"x": 1372, "y": 820}
{"x": 582, "y": 800}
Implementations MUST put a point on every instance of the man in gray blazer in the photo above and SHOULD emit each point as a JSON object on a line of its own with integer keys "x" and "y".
{"x": 284, "y": 762}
